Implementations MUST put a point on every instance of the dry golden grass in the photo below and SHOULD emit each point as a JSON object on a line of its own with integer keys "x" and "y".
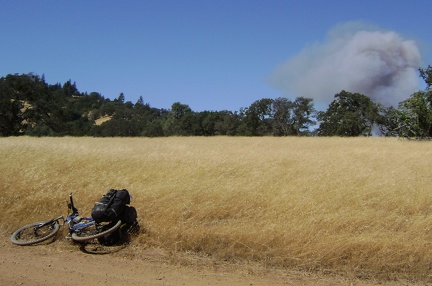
{"x": 356, "y": 206}
{"x": 103, "y": 119}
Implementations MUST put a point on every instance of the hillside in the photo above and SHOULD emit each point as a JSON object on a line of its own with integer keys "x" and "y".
{"x": 358, "y": 208}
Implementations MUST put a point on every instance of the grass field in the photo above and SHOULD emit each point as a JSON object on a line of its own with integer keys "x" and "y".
{"x": 355, "y": 206}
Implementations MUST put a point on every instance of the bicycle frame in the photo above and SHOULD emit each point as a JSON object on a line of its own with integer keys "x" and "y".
{"x": 73, "y": 225}
{"x": 74, "y": 221}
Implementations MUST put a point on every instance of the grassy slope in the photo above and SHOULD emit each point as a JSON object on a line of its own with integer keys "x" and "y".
{"x": 350, "y": 205}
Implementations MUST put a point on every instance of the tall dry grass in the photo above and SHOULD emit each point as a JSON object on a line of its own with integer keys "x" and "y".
{"x": 361, "y": 206}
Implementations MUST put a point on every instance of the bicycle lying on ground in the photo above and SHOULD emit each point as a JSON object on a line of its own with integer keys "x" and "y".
{"x": 81, "y": 229}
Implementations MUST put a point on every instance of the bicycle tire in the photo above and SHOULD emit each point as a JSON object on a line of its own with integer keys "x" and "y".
{"x": 28, "y": 235}
{"x": 92, "y": 232}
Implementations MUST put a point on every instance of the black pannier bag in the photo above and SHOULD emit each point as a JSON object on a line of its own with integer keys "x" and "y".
{"x": 130, "y": 218}
{"x": 129, "y": 228}
{"x": 111, "y": 206}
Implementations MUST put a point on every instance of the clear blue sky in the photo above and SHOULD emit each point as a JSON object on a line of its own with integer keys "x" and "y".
{"x": 209, "y": 54}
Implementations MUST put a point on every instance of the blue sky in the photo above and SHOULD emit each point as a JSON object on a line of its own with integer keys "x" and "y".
{"x": 209, "y": 54}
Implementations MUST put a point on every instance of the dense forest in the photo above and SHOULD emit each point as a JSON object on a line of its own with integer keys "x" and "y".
{"x": 30, "y": 106}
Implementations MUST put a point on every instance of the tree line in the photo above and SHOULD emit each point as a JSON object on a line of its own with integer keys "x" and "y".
{"x": 30, "y": 106}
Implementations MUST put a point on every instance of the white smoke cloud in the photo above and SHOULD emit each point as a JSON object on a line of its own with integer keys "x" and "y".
{"x": 379, "y": 64}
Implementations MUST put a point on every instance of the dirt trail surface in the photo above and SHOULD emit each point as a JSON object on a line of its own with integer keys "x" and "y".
{"x": 59, "y": 263}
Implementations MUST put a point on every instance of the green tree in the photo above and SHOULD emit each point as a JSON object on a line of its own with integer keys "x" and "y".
{"x": 205, "y": 123}
{"x": 153, "y": 128}
{"x": 349, "y": 114}
{"x": 10, "y": 113}
{"x": 292, "y": 118}
{"x": 121, "y": 98}
{"x": 179, "y": 120}
{"x": 70, "y": 89}
{"x": 282, "y": 116}
{"x": 413, "y": 118}
{"x": 416, "y": 113}
{"x": 392, "y": 122}
{"x": 26, "y": 101}
{"x": 303, "y": 113}
{"x": 116, "y": 128}
{"x": 227, "y": 123}
{"x": 140, "y": 102}
{"x": 426, "y": 74}
{"x": 258, "y": 118}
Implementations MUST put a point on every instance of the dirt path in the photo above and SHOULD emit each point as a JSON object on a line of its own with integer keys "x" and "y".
{"x": 62, "y": 263}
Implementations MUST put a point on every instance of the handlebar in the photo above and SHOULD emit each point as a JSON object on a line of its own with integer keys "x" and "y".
{"x": 71, "y": 205}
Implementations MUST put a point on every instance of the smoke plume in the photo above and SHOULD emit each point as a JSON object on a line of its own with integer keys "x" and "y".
{"x": 379, "y": 64}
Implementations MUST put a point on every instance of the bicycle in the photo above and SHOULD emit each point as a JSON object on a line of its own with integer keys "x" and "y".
{"x": 81, "y": 229}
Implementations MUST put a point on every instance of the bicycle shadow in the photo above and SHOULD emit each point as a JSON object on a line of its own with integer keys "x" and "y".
{"x": 94, "y": 247}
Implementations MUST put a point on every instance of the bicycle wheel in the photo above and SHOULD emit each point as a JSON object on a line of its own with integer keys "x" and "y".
{"x": 34, "y": 233}
{"x": 95, "y": 231}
